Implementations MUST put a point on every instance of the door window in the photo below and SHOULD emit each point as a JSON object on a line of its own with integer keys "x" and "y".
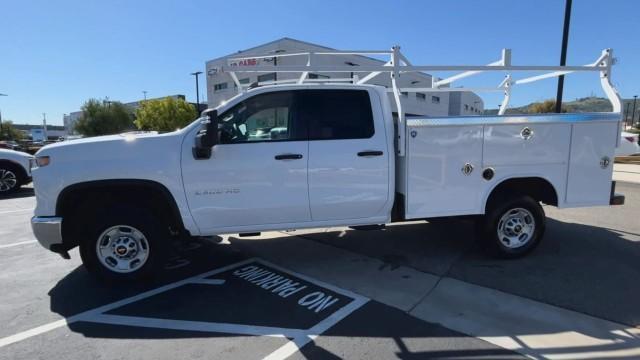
{"x": 264, "y": 117}
{"x": 337, "y": 114}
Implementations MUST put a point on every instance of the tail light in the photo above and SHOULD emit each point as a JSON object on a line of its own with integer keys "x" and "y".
{"x": 631, "y": 138}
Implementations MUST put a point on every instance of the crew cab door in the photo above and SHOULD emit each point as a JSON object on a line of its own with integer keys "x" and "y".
{"x": 348, "y": 155}
{"x": 257, "y": 174}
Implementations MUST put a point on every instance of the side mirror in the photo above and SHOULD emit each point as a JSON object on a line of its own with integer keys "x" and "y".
{"x": 207, "y": 137}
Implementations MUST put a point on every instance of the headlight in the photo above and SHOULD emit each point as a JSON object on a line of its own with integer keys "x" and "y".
{"x": 42, "y": 161}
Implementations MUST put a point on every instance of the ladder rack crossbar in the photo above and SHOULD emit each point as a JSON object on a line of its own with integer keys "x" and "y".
{"x": 434, "y": 90}
{"x": 405, "y": 69}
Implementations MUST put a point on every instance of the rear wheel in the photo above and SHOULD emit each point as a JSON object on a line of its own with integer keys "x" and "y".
{"x": 124, "y": 245}
{"x": 512, "y": 228}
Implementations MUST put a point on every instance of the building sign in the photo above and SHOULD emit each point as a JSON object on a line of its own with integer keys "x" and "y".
{"x": 250, "y": 62}
{"x": 38, "y": 135}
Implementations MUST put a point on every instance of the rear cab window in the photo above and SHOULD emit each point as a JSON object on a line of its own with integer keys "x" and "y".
{"x": 337, "y": 114}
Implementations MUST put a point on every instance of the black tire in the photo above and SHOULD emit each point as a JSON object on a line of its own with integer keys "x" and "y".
{"x": 6, "y": 170}
{"x": 488, "y": 227}
{"x": 157, "y": 243}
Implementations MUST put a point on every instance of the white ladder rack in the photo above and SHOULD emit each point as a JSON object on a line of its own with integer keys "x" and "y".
{"x": 398, "y": 64}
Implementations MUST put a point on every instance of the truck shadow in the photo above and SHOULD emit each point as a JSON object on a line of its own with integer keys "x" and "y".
{"x": 579, "y": 267}
{"x": 576, "y": 266}
{"x": 79, "y": 291}
{"x": 20, "y": 193}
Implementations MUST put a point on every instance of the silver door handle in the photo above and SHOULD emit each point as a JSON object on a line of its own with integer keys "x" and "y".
{"x": 288, "y": 157}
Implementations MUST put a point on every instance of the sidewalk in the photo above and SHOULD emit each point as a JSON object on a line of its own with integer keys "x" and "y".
{"x": 626, "y": 172}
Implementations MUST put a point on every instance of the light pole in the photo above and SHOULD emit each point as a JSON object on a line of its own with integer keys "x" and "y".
{"x": 1, "y": 128}
{"x": 44, "y": 126}
{"x": 626, "y": 114}
{"x": 633, "y": 112}
{"x": 563, "y": 53}
{"x": 145, "y": 94}
{"x": 197, "y": 90}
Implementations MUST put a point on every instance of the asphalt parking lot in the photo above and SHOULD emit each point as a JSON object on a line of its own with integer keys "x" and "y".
{"x": 409, "y": 291}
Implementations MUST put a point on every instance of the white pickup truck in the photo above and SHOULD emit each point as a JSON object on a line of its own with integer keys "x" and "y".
{"x": 306, "y": 155}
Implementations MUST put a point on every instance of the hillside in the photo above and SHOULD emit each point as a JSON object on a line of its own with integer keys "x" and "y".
{"x": 587, "y": 104}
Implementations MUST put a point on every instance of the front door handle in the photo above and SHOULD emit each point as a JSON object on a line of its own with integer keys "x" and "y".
{"x": 288, "y": 157}
{"x": 370, "y": 153}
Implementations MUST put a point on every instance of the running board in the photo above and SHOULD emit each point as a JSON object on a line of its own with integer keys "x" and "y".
{"x": 249, "y": 234}
{"x": 368, "y": 227}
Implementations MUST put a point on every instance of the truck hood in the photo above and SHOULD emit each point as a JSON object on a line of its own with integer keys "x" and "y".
{"x": 122, "y": 149}
{"x": 100, "y": 140}
{"x": 13, "y": 155}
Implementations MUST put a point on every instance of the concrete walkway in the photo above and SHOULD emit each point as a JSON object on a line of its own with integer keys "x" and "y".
{"x": 626, "y": 172}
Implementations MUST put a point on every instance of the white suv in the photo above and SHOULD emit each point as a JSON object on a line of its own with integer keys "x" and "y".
{"x": 14, "y": 170}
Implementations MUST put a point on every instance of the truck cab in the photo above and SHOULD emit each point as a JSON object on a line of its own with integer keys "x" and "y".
{"x": 294, "y": 156}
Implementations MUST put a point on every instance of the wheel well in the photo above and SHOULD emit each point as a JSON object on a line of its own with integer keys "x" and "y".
{"x": 22, "y": 174}
{"x": 536, "y": 187}
{"x": 79, "y": 200}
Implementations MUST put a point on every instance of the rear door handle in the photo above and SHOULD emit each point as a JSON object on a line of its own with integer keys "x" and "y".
{"x": 288, "y": 157}
{"x": 370, "y": 153}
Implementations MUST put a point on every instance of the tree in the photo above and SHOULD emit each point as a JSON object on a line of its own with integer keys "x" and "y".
{"x": 103, "y": 118}
{"x": 168, "y": 114}
{"x": 547, "y": 106}
{"x": 9, "y": 132}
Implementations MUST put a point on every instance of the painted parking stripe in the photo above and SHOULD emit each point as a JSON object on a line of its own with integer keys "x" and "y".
{"x": 298, "y": 342}
{"x": 209, "y": 281}
{"x": 15, "y": 211}
{"x": 4, "y": 246}
{"x": 297, "y": 337}
{"x": 186, "y": 325}
{"x": 87, "y": 314}
{"x": 34, "y": 332}
{"x": 315, "y": 281}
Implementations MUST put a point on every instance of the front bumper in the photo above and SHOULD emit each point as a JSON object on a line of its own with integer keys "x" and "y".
{"x": 48, "y": 231}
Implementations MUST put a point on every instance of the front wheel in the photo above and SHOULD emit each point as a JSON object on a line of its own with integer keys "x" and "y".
{"x": 124, "y": 245}
{"x": 9, "y": 179}
{"x": 512, "y": 228}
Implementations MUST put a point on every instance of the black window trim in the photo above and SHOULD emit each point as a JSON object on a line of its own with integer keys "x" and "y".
{"x": 275, "y": 77}
{"x": 220, "y": 86}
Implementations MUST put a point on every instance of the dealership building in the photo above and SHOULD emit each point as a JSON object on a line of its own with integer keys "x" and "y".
{"x": 220, "y": 86}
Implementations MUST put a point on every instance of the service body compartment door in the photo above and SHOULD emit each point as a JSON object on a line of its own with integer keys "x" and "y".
{"x": 526, "y": 144}
{"x": 444, "y": 170}
{"x": 592, "y": 147}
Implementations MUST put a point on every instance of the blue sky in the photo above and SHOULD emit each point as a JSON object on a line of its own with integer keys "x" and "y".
{"x": 55, "y": 55}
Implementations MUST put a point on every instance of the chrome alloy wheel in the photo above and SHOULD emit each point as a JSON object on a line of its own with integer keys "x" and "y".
{"x": 122, "y": 249}
{"x": 516, "y": 228}
{"x": 8, "y": 180}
